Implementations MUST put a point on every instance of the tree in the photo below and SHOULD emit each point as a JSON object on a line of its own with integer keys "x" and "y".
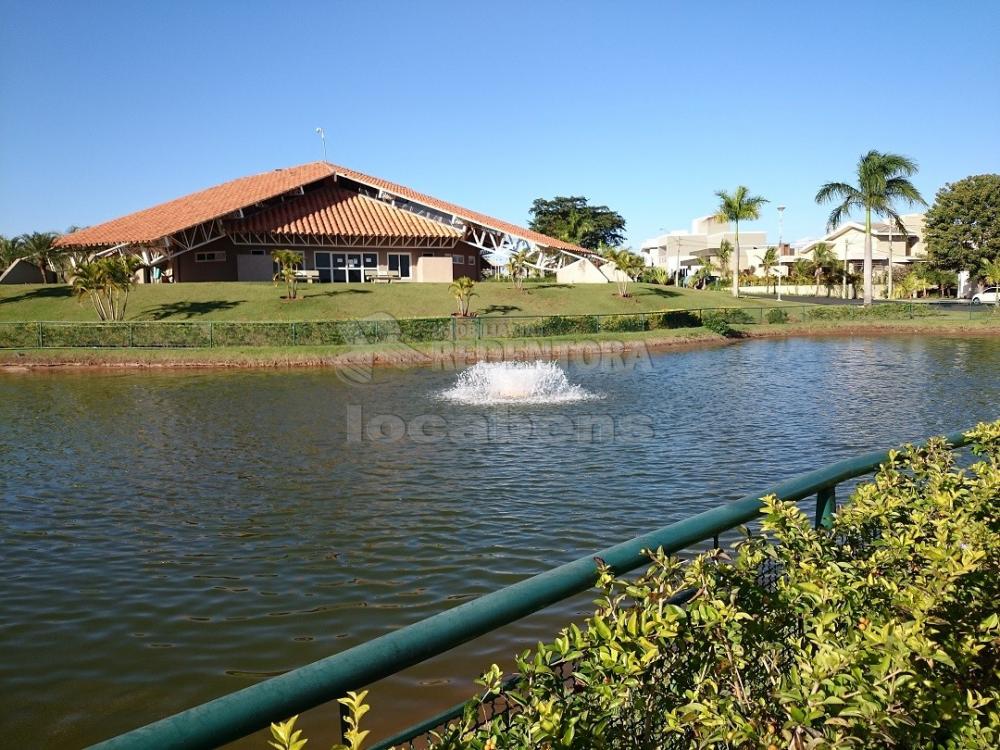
{"x": 288, "y": 262}
{"x": 740, "y": 206}
{"x": 630, "y": 265}
{"x": 963, "y": 226}
{"x": 572, "y": 219}
{"x": 106, "y": 282}
{"x": 990, "y": 270}
{"x": 462, "y": 290}
{"x": 517, "y": 265}
{"x": 882, "y": 181}
{"x": 11, "y": 249}
{"x": 822, "y": 261}
{"x": 800, "y": 270}
{"x": 768, "y": 263}
{"x": 37, "y": 248}
{"x": 725, "y": 255}
{"x": 705, "y": 271}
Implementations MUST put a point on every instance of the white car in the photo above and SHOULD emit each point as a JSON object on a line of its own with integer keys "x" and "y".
{"x": 989, "y": 294}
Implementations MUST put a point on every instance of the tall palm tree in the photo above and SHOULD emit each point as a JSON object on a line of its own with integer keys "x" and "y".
{"x": 740, "y": 206}
{"x": 823, "y": 259}
{"x": 882, "y": 181}
{"x": 769, "y": 262}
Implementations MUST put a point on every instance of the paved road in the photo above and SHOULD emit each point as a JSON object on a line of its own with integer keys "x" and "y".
{"x": 811, "y": 300}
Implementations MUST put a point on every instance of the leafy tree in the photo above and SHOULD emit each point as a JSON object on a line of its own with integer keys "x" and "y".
{"x": 572, "y": 219}
{"x": 768, "y": 263}
{"x": 518, "y": 265}
{"x": 288, "y": 262}
{"x": 963, "y": 226}
{"x": 734, "y": 208}
{"x": 38, "y": 249}
{"x": 882, "y": 181}
{"x": 705, "y": 271}
{"x": 106, "y": 282}
{"x": 462, "y": 290}
{"x": 800, "y": 270}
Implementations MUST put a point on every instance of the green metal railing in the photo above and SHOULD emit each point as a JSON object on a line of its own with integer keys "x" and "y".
{"x": 253, "y": 708}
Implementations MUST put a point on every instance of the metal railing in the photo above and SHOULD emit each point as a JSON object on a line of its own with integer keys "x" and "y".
{"x": 243, "y": 712}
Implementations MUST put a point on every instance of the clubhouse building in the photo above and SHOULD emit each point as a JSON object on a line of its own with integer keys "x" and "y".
{"x": 348, "y": 226}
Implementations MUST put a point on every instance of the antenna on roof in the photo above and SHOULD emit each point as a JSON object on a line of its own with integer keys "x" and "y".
{"x": 322, "y": 137}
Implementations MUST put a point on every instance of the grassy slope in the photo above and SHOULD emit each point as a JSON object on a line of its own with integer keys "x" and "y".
{"x": 261, "y": 301}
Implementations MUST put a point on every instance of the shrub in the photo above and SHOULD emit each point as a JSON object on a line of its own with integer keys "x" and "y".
{"x": 717, "y": 322}
{"x": 18, "y": 335}
{"x": 618, "y": 323}
{"x": 881, "y": 631}
{"x": 777, "y": 315}
{"x": 678, "y": 319}
{"x": 171, "y": 334}
{"x": 558, "y": 325}
{"x": 85, "y": 334}
{"x": 245, "y": 333}
{"x": 425, "y": 329}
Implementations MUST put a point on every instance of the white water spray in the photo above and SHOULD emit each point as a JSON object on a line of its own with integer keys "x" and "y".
{"x": 515, "y": 383}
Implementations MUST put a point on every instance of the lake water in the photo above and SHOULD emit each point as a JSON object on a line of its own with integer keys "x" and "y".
{"x": 167, "y": 537}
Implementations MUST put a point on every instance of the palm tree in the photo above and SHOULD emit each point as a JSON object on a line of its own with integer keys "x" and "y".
{"x": 725, "y": 254}
{"x": 10, "y": 250}
{"x": 628, "y": 263}
{"x": 769, "y": 262}
{"x": 106, "y": 281}
{"x": 705, "y": 270}
{"x": 288, "y": 262}
{"x": 462, "y": 290}
{"x": 800, "y": 270}
{"x": 882, "y": 180}
{"x": 37, "y": 248}
{"x": 822, "y": 260}
{"x": 991, "y": 272}
{"x": 517, "y": 265}
{"x": 740, "y": 206}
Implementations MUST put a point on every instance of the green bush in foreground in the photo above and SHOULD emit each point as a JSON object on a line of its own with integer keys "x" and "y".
{"x": 879, "y": 632}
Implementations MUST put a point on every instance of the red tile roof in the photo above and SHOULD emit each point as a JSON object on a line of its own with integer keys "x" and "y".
{"x": 152, "y": 224}
{"x": 336, "y": 212}
{"x": 463, "y": 213}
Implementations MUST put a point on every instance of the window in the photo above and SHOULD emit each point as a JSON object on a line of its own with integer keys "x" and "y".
{"x": 458, "y": 260}
{"x": 400, "y": 262}
{"x": 258, "y": 252}
{"x": 214, "y": 256}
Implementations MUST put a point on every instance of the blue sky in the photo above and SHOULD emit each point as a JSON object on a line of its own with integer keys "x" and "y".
{"x": 646, "y": 107}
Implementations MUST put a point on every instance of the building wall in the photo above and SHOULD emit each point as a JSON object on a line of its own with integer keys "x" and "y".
{"x": 186, "y": 267}
{"x": 23, "y": 272}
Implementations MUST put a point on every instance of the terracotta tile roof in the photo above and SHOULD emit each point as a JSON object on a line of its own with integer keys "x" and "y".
{"x": 152, "y": 224}
{"x": 336, "y": 212}
{"x": 463, "y": 213}
{"x": 165, "y": 219}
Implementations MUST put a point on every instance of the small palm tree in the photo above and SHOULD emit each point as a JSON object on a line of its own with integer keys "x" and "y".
{"x": 288, "y": 263}
{"x": 106, "y": 282}
{"x": 991, "y": 272}
{"x": 518, "y": 265}
{"x": 800, "y": 270}
{"x": 705, "y": 271}
{"x": 823, "y": 260}
{"x": 768, "y": 263}
{"x": 882, "y": 181}
{"x": 462, "y": 290}
{"x": 725, "y": 255}
{"x": 37, "y": 248}
{"x": 630, "y": 265}
{"x": 737, "y": 207}
{"x": 11, "y": 248}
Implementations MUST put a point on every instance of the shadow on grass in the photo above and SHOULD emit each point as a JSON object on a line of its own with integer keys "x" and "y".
{"x": 658, "y": 291}
{"x": 334, "y": 292}
{"x": 46, "y": 292}
{"x": 528, "y": 287}
{"x": 191, "y": 309}
{"x": 501, "y": 309}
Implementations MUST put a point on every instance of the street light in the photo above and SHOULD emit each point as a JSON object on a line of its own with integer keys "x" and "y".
{"x": 781, "y": 229}
{"x": 322, "y": 137}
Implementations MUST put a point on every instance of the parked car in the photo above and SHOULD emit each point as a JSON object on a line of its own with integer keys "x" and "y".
{"x": 988, "y": 295}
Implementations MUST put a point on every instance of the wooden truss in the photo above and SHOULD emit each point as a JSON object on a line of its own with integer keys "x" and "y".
{"x": 361, "y": 241}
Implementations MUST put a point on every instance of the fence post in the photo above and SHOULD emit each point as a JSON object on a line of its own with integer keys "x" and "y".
{"x": 911, "y": 311}
{"x": 295, "y": 333}
{"x": 211, "y": 334}
{"x": 826, "y": 506}
{"x": 479, "y": 327}
{"x": 41, "y": 337}
{"x": 454, "y": 329}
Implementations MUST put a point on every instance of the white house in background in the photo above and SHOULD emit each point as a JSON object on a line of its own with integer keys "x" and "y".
{"x": 847, "y": 242}
{"x": 683, "y": 251}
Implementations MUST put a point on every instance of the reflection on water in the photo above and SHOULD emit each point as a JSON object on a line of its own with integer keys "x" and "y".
{"x": 169, "y": 537}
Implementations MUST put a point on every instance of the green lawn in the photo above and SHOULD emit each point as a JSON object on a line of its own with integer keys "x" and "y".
{"x": 262, "y": 301}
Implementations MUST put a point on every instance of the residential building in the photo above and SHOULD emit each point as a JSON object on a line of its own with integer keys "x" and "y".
{"x": 681, "y": 252}
{"x": 847, "y": 242}
{"x": 348, "y": 227}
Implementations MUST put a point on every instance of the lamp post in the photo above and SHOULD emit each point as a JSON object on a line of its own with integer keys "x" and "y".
{"x": 322, "y": 137}
{"x": 781, "y": 231}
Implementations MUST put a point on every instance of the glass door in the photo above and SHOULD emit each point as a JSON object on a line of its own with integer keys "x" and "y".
{"x": 400, "y": 262}
{"x": 324, "y": 265}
